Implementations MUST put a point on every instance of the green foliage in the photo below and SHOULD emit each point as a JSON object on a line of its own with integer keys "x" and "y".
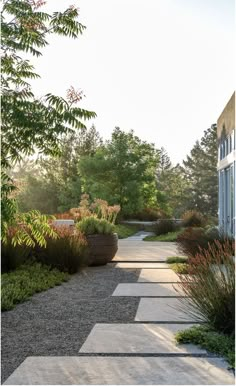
{"x": 210, "y": 287}
{"x": 176, "y": 259}
{"x": 172, "y": 196}
{"x": 23, "y": 114}
{"x": 125, "y": 231}
{"x": 8, "y": 205}
{"x": 30, "y": 123}
{"x": 147, "y": 214}
{"x": 53, "y": 184}
{"x": 28, "y": 229}
{"x": 210, "y": 340}
{"x": 33, "y": 228}
{"x": 201, "y": 172}
{"x": 170, "y": 236}
{"x": 20, "y": 285}
{"x": 122, "y": 172}
{"x": 181, "y": 268}
{"x": 66, "y": 253}
{"x": 162, "y": 227}
{"x": 93, "y": 225}
{"x": 193, "y": 218}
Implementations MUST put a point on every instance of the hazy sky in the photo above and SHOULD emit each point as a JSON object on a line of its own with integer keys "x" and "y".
{"x": 164, "y": 68}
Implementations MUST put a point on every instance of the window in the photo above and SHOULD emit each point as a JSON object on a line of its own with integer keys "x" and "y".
{"x": 233, "y": 140}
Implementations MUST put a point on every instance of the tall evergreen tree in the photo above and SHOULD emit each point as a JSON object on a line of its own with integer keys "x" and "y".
{"x": 200, "y": 169}
{"x": 171, "y": 185}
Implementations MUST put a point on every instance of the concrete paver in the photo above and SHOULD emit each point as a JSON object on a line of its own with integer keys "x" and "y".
{"x": 138, "y": 250}
{"x": 137, "y": 338}
{"x": 121, "y": 371}
{"x": 140, "y": 265}
{"x": 147, "y": 289}
{"x": 158, "y": 275}
{"x": 164, "y": 310}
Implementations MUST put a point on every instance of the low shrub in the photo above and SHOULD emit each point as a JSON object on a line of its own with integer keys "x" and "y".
{"x": 211, "y": 287}
{"x": 20, "y": 285}
{"x": 93, "y": 225}
{"x": 163, "y": 227}
{"x": 176, "y": 259}
{"x": 147, "y": 214}
{"x": 66, "y": 253}
{"x": 170, "y": 237}
{"x": 212, "y": 221}
{"x": 12, "y": 256}
{"x": 193, "y": 218}
{"x": 189, "y": 241}
{"x": 192, "y": 240}
{"x": 125, "y": 231}
{"x": 181, "y": 268}
{"x": 210, "y": 340}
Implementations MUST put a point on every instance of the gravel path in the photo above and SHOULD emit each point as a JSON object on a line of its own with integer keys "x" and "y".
{"x": 57, "y": 322}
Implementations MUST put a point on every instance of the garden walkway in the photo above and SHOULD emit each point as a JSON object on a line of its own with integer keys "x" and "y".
{"x": 140, "y": 350}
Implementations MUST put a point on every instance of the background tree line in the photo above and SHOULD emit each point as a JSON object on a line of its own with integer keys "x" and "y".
{"x": 124, "y": 170}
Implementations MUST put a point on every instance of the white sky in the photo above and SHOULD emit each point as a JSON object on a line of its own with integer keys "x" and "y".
{"x": 164, "y": 68}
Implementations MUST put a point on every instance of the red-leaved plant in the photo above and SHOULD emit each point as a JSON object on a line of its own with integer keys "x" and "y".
{"x": 66, "y": 253}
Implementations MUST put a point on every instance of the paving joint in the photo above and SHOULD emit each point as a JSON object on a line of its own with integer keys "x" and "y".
{"x": 145, "y": 355}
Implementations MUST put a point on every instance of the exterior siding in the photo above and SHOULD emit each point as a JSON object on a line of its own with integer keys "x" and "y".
{"x": 227, "y": 167}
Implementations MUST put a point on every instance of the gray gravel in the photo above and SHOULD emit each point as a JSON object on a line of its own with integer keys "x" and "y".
{"x": 57, "y": 322}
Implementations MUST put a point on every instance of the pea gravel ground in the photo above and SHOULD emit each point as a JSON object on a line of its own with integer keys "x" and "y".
{"x": 57, "y": 322}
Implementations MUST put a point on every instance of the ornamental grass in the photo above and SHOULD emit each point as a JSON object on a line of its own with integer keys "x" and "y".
{"x": 210, "y": 287}
{"x": 66, "y": 253}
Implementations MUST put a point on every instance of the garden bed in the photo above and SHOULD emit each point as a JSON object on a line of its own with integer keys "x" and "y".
{"x": 19, "y": 285}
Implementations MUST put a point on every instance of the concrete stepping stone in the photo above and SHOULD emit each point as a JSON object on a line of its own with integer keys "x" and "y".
{"x": 147, "y": 289}
{"x": 121, "y": 371}
{"x": 140, "y": 265}
{"x": 160, "y": 276}
{"x": 137, "y": 338}
{"x": 164, "y": 310}
{"x": 144, "y": 251}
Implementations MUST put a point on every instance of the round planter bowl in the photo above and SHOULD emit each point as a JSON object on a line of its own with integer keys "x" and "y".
{"x": 101, "y": 248}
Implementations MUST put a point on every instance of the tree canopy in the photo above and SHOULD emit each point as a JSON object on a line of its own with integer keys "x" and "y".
{"x": 200, "y": 170}
{"x": 31, "y": 124}
{"x": 122, "y": 170}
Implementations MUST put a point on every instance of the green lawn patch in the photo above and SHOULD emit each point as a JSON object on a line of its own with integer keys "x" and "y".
{"x": 19, "y": 285}
{"x": 210, "y": 340}
{"x": 125, "y": 231}
{"x": 171, "y": 236}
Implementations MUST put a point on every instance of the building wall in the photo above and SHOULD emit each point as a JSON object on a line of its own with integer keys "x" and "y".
{"x": 226, "y": 121}
{"x": 226, "y": 167}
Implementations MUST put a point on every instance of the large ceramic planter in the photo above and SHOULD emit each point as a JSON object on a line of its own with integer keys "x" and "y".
{"x": 101, "y": 248}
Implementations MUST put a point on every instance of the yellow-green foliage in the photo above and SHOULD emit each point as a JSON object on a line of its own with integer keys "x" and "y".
{"x": 21, "y": 284}
{"x": 92, "y": 225}
{"x": 181, "y": 268}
